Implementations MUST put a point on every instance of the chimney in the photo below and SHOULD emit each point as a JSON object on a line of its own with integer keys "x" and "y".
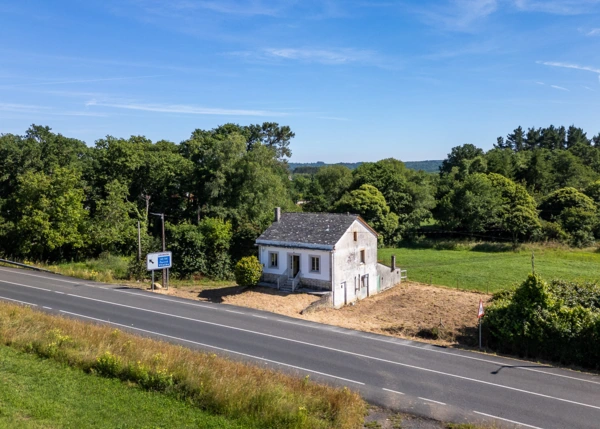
{"x": 277, "y": 214}
{"x": 393, "y": 262}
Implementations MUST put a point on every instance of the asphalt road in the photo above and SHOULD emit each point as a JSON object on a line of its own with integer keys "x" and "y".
{"x": 408, "y": 376}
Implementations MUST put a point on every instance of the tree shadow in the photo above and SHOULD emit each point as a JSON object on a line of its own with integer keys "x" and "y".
{"x": 518, "y": 366}
{"x": 216, "y": 295}
{"x": 493, "y": 247}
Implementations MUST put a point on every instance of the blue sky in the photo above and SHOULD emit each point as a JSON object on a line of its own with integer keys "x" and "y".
{"x": 356, "y": 80}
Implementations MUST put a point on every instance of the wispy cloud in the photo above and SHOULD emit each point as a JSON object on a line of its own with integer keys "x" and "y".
{"x": 570, "y": 66}
{"x": 44, "y": 110}
{"x": 459, "y": 15}
{"x": 64, "y": 82}
{"x": 589, "y": 89}
{"x": 228, "y": 7}
{"x": 559, "y": 87}
{"x": 184, "y": 109}
{"x": 593, "y": 32}
{"x": 558, "y": 7}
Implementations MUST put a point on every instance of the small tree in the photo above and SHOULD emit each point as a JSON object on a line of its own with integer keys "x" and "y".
{"x": 248, "y": 271}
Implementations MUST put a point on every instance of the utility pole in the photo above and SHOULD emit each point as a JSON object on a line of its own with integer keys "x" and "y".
{"x": 164, "y": 247}
{"x": 139, "y": 243}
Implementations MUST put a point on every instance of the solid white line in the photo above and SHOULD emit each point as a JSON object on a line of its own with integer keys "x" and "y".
{"x": 214, "y": 347}
{"x": 20, "y": 302}
{"x": 503, "y": 364}
{"x": 393, "y": 391}
{"x": 62, "y": 293}
{"x": 48, "y": 308}
{"x": 431, "y": 400}
{"x": 343, "y": 351}
{"x": 401, "y": 343}
{"x": 506, "y": 420}
{"x": 261, "y": 317}
{"x": 31, "y": 287}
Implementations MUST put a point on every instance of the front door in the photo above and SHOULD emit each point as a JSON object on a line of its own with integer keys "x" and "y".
{"x": 293, "y": 265}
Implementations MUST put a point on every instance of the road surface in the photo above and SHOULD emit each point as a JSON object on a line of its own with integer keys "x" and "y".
{"x": 423, "y": 379}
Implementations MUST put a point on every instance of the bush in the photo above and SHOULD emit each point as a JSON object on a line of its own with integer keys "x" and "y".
{"x": 248, "y": 271}
{"x": 559, "y": 321}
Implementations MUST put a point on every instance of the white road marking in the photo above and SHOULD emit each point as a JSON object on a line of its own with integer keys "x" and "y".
{"x": 506, "y": 420}
{"x": 214, "y": 347}
{"x": 31, "y": 287}
{"x": 425, "y": 348}
{"x": 48, "y": 308}
{"x": 61, "y": 293}
{"x": 20, "y": 302}
{"x": 261, "y": 317}
{"x": 233, "y": 311}
{"x": 393, "y": 391}
{"x": 344, "y": 352}
{"x": 329, "y": 328}
{"x": 431, "y": 400}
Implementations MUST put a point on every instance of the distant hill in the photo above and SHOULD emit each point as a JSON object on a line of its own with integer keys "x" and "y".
{"x": 432, "y": 166}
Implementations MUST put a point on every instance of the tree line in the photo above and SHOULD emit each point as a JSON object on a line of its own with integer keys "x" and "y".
{"x": 63, "y": 200}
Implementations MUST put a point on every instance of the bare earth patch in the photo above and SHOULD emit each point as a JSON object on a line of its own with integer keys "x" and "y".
{"x": 410, "y": 310}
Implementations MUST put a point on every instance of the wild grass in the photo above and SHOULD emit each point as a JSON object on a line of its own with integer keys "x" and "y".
{"x": 38, "y": 393}
{"x": 256, "y": 396}
{"x": 491, "y": 266}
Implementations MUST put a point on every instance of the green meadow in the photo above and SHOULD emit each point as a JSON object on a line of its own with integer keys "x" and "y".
{"x": 491, "y": 267}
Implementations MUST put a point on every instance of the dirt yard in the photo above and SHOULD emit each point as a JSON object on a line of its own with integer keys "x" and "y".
{"x": 410, "y": 310}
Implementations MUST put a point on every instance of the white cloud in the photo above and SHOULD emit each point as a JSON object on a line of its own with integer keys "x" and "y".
{"x": 569, "y": 66}
{"x": 64, "y": 82}
{"x": 324, "y": 56}
{"x": 461, "y": 15}
{"x": 594, "y": 32}
{"x": 558, "y": 7}
{"x": 185, "y": 109}
{"x": 559, "y": 87}
{"x": 589, "y": 89}
{"x": 44, "y": 110}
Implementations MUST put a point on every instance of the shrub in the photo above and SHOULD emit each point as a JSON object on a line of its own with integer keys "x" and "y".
{"x": 559, "y": 321}
{"x": 248, "y": 271}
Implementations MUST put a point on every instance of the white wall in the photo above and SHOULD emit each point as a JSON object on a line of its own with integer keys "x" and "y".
{"x": 348, "y": 270}
{"x": 305, "y": 262}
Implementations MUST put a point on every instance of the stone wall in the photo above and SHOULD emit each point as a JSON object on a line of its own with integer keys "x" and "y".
{"x": 388, "y": 277}
{"x": 315, "y": 283}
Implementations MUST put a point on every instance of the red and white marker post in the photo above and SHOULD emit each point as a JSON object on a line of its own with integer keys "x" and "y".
{"x": 480, "y": 314}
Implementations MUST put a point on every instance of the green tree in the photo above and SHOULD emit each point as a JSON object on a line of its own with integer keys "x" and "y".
{"x": 114, "y": 226}
{"x": 459, "y": 154}
{"x": 574, "y": 211}
{"x": 217, "y": 236}
{"x": 370, "y": 204}
{"x": 335, "y": 180}
{"x": 50, "y": 220}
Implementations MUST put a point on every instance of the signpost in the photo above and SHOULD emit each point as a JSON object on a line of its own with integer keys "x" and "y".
{"x": 158, "y": 261}
{"x": 480, "y": 314}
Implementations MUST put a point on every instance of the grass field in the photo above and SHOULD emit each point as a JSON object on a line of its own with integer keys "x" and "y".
{"x": 37, "y": 393}
{"x": 494, "y": 267}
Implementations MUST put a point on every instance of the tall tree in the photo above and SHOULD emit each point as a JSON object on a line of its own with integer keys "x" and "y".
{"x": 459, "y": 154}
{"x": 516, "y": 140}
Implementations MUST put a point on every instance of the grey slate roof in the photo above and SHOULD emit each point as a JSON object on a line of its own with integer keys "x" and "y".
{"x": 307, "y": 230}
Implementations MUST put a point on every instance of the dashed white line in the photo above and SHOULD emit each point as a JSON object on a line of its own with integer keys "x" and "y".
{"x": 431, "y": 400}
{"x": 59, "y": 292}
{"x": 20, "y": 302}
{"x": 47, "y": 308}
{"x": 506, "y": 420}
{"x": 30, "y": 287}
{"x": 488, "y": 383}
{"x": 216, "y": 348}
{"x": 393, "y": 391}
{"x": 260, "y": 317}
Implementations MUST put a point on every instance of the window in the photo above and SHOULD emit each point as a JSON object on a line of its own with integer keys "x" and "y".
{"x": 362, "y": 256}
{"x": 273, "y": 259}
{"x": 315, "y": 264}
{"x": 355, "y": 236}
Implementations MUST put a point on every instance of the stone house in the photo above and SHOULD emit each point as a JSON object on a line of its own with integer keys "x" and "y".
{"x": 324, "y": 251}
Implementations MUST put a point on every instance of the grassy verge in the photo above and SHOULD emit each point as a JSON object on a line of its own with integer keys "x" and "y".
{"x": 254, "y": 396}
{"x": 486, "y": 267}
{"x": 38, "y": 392}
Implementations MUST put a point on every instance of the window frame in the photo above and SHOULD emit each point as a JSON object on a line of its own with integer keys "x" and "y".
{"x": 271, "y": 254}
{"x": 355, "y": 235}
{"x": 312, "y": 258}
{"x": 363, "y": 256}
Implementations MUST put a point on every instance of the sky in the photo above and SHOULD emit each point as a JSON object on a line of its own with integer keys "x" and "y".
{"x": 356, "y": 80}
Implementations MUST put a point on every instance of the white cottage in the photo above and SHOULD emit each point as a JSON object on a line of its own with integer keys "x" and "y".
{"x": 326, "y": 251}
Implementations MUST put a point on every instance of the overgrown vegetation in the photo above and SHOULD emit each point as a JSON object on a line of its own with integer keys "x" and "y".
{"x": 255, "y": 396}
{"x": 248, "y": 271}
{"x": 559, "y": 321}
{"x": 38, "y": 392}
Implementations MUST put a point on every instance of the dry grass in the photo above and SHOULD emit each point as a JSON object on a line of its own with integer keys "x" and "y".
{"x": 257, "y": 396}
{"x": 409, "y": 310}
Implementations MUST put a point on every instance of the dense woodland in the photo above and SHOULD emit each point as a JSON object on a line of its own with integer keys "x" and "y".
{"x": 63, "y": 200}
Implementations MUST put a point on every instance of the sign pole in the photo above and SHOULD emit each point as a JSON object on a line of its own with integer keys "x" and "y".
{"x": 480, "y": 334}
{"x": 480, "y": 314}
{"x": 152, "y": 279}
